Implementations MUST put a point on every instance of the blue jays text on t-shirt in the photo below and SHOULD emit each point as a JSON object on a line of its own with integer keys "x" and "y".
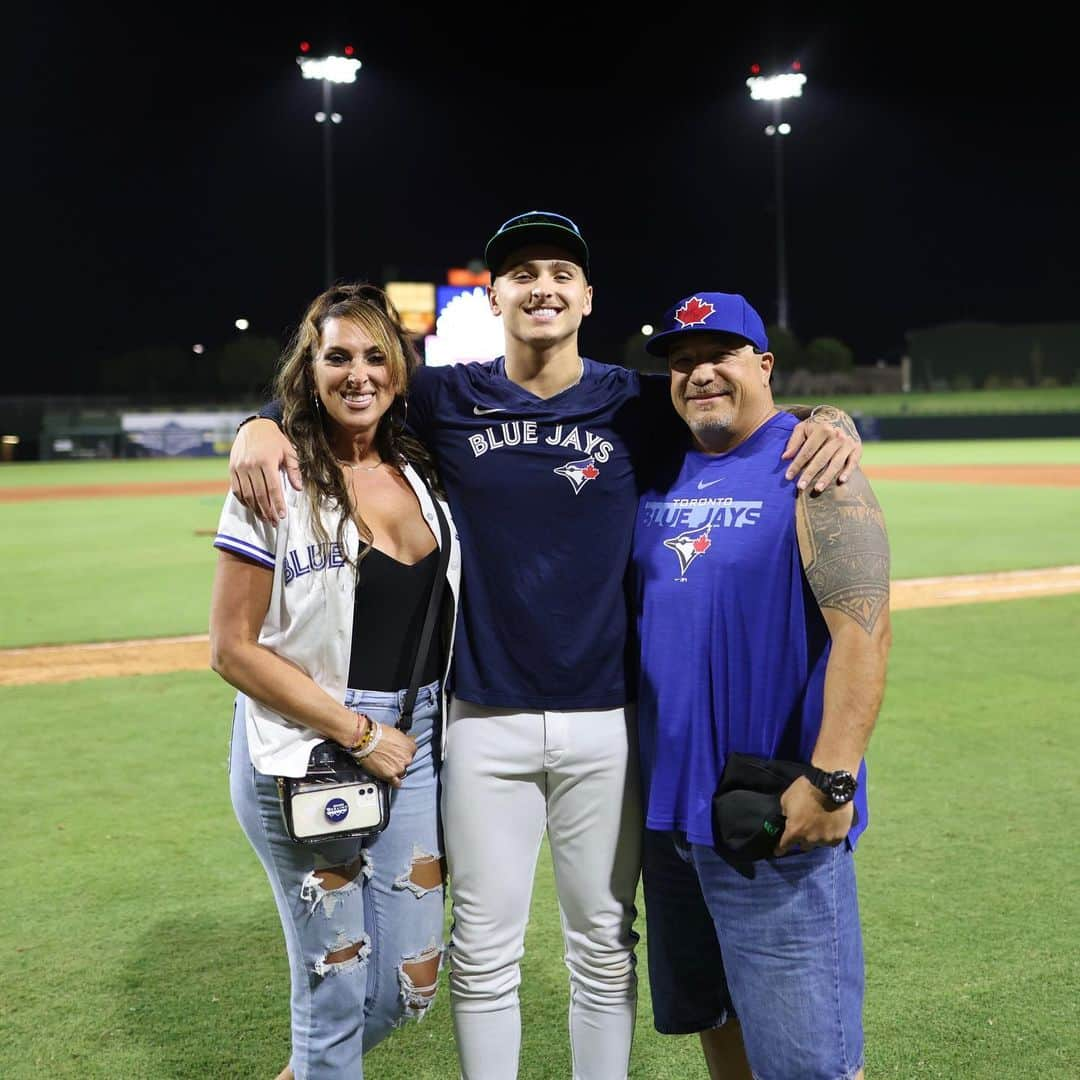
{"x": 733, "y": 645}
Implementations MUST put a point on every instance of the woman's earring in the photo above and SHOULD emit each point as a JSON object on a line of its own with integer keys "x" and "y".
{"x": 316, "y": 402}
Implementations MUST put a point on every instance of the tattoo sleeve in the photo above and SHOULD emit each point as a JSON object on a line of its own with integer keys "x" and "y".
{"x": 837, "y": 418}
{"x": 845, "y": 549}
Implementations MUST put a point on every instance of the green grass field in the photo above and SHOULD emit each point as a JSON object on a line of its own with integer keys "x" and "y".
{"x": 140, "y": 941}
{"x": 957, "y": 402}
{"x": 102, "y": 569}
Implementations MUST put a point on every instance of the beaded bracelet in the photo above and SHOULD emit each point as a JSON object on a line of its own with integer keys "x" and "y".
{"x": 360, "y": 741}
{"x": 369, "y": 743}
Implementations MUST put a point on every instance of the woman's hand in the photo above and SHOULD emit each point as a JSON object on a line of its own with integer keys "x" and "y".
{"x": 392, "y": 756}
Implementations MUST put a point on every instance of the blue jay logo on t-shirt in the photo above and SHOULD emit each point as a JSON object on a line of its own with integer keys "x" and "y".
{"x": 689, "y": 546}
{"x": 696, "y": 518}
{"x": 579, "y": 473}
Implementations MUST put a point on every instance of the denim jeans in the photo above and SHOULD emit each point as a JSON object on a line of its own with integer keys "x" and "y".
{"x": 775, "y": 942}
{"x": 363, "y": 919}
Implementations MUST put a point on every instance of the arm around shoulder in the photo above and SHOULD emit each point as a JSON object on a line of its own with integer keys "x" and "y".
{"x": 259, "y": 451}
{"x": 825, "y": 446}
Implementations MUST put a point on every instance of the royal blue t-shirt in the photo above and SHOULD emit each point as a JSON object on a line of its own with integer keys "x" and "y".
{"x": 733, "y": 644}
{"x": 543, "y": 492}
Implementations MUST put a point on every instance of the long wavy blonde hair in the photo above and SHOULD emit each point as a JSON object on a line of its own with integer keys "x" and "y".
{"x": 304, "y": 422}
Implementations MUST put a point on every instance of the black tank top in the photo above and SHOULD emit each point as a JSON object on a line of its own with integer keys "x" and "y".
{"x": 388, "y": 617}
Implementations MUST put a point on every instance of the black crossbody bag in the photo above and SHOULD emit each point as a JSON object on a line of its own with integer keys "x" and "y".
{"x": 337, "y": 799}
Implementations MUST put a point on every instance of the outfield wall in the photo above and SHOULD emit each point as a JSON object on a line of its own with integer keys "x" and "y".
{"x": 57, "y": 428}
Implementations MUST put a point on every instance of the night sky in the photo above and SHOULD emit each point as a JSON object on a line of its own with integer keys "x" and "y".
{"x": 167, "y": 172}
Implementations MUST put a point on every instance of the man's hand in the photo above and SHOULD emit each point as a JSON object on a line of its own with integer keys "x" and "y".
{"x": 824, "y": 447}
{"x": 809, "y": 824}
{"x": 258, "y": 453}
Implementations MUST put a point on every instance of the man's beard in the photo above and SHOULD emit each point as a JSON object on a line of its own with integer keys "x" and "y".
{"x": 714, "y": 429}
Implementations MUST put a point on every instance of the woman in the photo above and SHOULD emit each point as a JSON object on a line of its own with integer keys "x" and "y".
{"x": 316, "y": 621}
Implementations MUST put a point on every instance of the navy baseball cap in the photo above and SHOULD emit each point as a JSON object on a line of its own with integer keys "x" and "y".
{"x": 536, "y": 227}
{"x": 727, "y": 313}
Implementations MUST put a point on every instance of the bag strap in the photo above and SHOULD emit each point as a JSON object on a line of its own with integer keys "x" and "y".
{"x": 405, "y": 720}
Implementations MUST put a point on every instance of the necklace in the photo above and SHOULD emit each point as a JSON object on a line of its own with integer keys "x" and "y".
{"x": 581, "y": 373}
{"x": 355, "y": 465}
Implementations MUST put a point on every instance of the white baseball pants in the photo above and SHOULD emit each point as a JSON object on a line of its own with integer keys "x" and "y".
{"x": 507, "y": 776}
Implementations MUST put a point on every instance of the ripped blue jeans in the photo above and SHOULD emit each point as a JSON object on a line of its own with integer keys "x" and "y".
{"x": 363, "y": 919}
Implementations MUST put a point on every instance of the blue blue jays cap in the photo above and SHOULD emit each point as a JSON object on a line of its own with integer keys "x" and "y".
{"x": 727, "y": 313}
{"x": 536, "y": 227}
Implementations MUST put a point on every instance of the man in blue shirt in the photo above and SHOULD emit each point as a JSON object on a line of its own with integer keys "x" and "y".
{"x": 763, "y": 618}
{"x": 541, "y": 453}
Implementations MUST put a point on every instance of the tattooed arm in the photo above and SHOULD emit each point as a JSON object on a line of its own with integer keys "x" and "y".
{"x": 825, "y": 446}
{"x": 845, "y": 553}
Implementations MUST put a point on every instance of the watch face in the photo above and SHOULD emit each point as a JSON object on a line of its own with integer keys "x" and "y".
{"x": 841, "y": 787}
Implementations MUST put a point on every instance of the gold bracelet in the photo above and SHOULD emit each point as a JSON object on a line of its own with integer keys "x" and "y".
{"x": 360, "y": 741}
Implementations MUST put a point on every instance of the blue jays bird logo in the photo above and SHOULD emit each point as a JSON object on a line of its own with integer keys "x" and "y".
{"x": 689, "y": 545}
{"x": 579, "y": 473}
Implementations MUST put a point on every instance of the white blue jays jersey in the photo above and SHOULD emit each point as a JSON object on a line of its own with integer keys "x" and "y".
{"x": 544, "y": 493}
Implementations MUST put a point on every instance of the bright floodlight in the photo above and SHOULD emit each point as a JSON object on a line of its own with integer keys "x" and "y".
{"x": 647, "y": 330}
{"x": 338, "y": 69}
{"x": 775, "y": 87}
{"x": 241, "y": 324}
{"x": 198, "y": 350}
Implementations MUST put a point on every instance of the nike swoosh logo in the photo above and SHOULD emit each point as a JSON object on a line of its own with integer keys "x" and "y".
{"x": 477, "y": 411}
{"x": 703, "y": 484}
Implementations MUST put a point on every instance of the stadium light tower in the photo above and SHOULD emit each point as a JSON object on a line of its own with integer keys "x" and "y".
{"x": 774, "y": 89}
{"x": 330, "y": 70}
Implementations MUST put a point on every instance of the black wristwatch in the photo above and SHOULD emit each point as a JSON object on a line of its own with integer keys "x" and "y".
{"x": 839, "y": 786}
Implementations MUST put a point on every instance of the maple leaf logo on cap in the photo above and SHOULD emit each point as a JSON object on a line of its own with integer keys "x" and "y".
{"x": 694, "y": 312}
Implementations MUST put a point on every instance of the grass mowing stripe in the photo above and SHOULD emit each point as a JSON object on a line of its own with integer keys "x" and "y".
{"x": 144, "y": 471}
{"x": 937, "y": 529}
{"x": 112, "y": 570}
{"x": 141, "y": 940}
{"x": 973, "y": 452}
{"x": 960, "y": 402}
{"x": 167, "y": 470}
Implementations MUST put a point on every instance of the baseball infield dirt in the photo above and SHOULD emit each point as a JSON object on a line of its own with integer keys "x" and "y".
{"x": 68, "y": 663}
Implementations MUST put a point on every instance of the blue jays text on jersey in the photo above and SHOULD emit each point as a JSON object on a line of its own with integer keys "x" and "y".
{"x": 300, "y": 561}
{"x": 529, "y": 433}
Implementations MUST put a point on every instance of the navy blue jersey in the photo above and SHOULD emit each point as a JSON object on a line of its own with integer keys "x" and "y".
{"x": 544, "y": 493}
{"x": 733, "y": 644}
